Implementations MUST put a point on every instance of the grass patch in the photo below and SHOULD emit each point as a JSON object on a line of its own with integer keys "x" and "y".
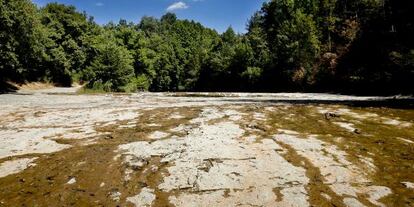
{"x": 85, "y": 90}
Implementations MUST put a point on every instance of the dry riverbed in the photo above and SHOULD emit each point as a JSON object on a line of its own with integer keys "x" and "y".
{"x": 58, "y": 148}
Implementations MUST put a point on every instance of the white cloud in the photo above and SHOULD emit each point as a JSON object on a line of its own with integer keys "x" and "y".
{"x": 177, "y": 6}
{"x": 99, "y": 4}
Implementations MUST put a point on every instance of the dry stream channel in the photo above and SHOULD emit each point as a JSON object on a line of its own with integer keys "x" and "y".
{"x": 201, "y": 149}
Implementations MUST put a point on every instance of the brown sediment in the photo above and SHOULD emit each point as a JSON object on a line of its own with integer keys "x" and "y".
{"x": 316, "y": 185}
{"x": 252, "y": 126}
{"x": 12, "y": 116}
{"x": 46, "y": 184}
{"x": 151, "y": 178}
{"x": 91, "y": 165}
{"x": 393, "y": 159}
{"x": 279, "y": 195}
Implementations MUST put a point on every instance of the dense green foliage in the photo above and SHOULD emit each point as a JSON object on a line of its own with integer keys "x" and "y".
{"x": 21, "y": 38}
{"x": 297, "y": 45}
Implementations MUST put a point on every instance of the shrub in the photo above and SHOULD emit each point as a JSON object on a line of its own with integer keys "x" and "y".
{"x": 139, "y": 83}
{"x": 252, "y": 75}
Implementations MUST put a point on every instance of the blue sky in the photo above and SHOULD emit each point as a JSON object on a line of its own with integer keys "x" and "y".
{"x": 216, "y": 14}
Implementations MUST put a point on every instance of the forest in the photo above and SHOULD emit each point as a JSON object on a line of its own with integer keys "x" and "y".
{"x": 353, "y": 46}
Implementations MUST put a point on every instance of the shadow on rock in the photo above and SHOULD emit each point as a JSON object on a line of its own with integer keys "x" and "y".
{"x": 6, "y": 87}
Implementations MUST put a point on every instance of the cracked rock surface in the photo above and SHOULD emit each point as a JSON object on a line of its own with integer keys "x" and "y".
{"x": 165, "y": 149}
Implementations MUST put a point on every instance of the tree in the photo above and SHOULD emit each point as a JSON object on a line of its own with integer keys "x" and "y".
{"x": 229, "y": 36}
{"x": 112, "y": 68}
{"x": 251, "y": 76}
{"x": 148, "y": 24}
{"x": 293, "y": 38}
{"x": 67, "y": 50}
{"x": 257, "y": 39}
{"x": 289, "y": 45}
{"x": 169, "y": 18}
{"x": 21, "y": 38}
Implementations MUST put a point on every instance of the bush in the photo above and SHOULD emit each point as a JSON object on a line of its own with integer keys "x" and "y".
{"x": 252, "y": 75}
{"x": 140, "y": 83}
